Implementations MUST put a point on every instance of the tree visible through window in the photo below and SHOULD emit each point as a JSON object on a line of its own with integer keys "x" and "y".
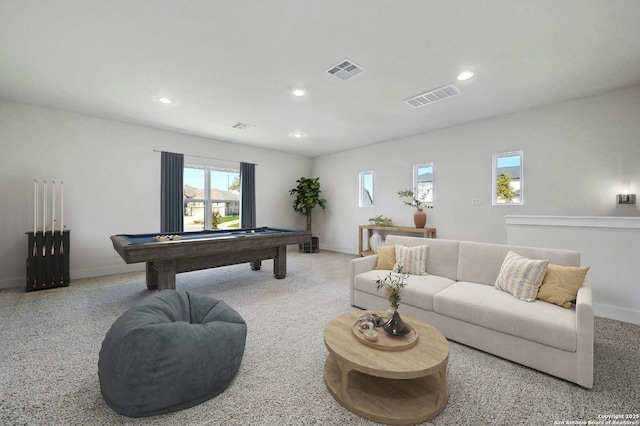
{"x": 507, "y": 179}
{"x": 211, "y": 198}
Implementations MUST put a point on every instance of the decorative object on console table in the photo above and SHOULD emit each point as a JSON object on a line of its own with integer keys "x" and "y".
{"x": 380, "y": 220}
{"x": 307, "y": 195}
{"x": 375, "y": 241}
{"x": 366, "y": 251}
{"x": 419, "y": 217}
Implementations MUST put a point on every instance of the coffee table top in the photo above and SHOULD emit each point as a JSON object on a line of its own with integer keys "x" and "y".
{"x": 423, "y": 359}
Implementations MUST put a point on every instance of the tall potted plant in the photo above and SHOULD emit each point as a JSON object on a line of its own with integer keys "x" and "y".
{"x": 307, "y": 195}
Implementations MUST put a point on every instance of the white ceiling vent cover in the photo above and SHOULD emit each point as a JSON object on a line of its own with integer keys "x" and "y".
{"x": 434, "y": 95}
{"x": 242, "y": 126}
{"x": 345, "y": 70}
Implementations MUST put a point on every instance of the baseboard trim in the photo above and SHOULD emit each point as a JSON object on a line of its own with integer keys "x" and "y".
{"x": 616, "y": 313}
{"x": 78, "y": 274}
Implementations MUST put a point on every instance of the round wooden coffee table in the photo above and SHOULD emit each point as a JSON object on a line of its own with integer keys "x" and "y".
{"x": 393, "y": 387}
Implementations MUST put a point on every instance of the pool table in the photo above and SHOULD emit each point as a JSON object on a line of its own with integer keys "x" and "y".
{"x": 191, "y": 251}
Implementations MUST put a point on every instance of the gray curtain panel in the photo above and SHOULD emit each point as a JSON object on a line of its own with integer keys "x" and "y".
{"x": 247, "y": 195}
{"x": 171, "y": 188}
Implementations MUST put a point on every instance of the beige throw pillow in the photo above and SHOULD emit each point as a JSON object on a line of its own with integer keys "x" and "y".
{"x": 386, "y": 257}
{"x": 520, "y": 276}
{"x": 412, "y": 259}
{"x": 560, "y": 284}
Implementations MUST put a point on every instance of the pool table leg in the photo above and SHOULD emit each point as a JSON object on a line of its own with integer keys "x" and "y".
{"x": 152, "y": 277}
{"x": 280, "y": 263}
{"x": 161, "y": 275}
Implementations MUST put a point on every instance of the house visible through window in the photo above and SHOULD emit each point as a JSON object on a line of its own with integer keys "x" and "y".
{"x": 423, "y": 182}
{"x": 211, "y": 198}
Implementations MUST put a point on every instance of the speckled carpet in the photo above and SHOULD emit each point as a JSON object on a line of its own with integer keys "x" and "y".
{"x": 50, "y": 340}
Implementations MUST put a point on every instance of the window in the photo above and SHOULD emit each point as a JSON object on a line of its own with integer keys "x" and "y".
{"x": 507, "y": 185}
{"x": 211, "y": 198}
{"x": 423, "y": 182}
{"x": 366, "y": 189}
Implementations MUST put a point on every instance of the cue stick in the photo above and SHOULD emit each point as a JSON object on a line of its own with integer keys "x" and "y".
{"x": 53, "y": 217}
{"x": 44, "y": 217}
{"x": 44, "y": 207}
{"x": 61, "y": 217}
{"x": 35, "y": 217}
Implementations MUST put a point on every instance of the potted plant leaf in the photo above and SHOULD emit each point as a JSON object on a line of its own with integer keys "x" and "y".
{"x": 307, "y": 195}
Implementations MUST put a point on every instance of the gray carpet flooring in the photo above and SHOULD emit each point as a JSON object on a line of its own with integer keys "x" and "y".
{"x": 50, "y": 340}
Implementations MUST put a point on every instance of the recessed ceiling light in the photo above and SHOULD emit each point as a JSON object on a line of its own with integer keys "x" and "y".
{"x": 165, "y": 100}
{"x": 297, "y": 135}
{"x": 465, "y": 75}
{"x": 298, "y": 92}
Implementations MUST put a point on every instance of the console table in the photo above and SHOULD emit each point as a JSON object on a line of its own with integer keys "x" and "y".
{"x": 424, "y": 232}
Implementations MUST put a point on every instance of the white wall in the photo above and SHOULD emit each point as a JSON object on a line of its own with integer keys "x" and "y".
{"x": 111, "y": 182}
{"x": 575, "y": 156}
{"x": 608, "y": 245}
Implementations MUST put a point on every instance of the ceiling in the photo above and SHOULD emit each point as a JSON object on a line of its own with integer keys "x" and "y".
{"x": 230, "y": 61}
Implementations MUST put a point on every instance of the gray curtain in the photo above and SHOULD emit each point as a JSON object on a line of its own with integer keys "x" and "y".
{"x": 247, "y": 195}
{"x": 171, "y": 189}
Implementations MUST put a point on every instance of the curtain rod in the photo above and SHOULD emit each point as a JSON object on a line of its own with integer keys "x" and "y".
{"x": 212, "y": 158}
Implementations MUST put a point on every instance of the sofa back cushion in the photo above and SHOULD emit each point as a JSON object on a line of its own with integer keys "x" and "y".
{"x": 442, "y": 255}
{"x": 481, "y": 262}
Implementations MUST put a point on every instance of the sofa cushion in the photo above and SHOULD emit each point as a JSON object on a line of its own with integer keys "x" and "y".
{"x": 412, "y": 260}
{"x": 560, "y": 284}
{"x": 489, "y": 307}
{"x": 419, "y": 291}
{"x": 481, "y": 262}
{"x": 521, "y": 276}
{"x": 442, "y": 259}
{"x": 386, "y": 257}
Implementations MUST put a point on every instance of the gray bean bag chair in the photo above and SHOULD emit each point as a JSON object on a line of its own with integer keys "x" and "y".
{"x": 172, "y": 351}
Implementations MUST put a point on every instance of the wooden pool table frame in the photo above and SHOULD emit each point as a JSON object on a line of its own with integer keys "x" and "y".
{"x": 165, "y": 259}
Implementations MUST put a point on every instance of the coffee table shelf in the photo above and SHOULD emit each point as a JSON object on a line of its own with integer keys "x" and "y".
{"x": 398, "y": 388}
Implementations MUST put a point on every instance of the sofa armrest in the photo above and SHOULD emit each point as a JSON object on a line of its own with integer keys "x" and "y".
{"x": 358, "y": 266}
{"x": 584, "y": 327}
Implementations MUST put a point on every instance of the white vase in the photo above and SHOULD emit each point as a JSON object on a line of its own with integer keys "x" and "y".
{"x": 375, "y": 241}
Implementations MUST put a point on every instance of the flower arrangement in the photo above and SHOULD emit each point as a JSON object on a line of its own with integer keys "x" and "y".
{"x": 380, "y": 220}
{"x": 394, "y": 282}
{"x": 416, "y": 202}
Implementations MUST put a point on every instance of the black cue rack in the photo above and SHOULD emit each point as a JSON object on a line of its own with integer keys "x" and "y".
{"x": 47, "y": 260}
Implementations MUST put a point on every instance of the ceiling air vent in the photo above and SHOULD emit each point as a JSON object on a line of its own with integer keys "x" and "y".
{"x": 434, "y": 95}
{"x": 242, "y": 126}
{"x": 345, "y": 70}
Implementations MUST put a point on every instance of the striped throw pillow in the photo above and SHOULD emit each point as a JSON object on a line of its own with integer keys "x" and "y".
{"x": 412, "y": 259}
{"x": 520, "y": 276}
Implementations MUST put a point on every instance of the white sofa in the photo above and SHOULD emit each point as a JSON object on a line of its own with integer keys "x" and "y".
{"x": 458, "y": 297}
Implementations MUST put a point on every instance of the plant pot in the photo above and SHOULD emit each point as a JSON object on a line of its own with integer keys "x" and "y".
{"x": 395, "y": 326}
{"x": 420, "y": 218}
{"x": 311, "y": 247}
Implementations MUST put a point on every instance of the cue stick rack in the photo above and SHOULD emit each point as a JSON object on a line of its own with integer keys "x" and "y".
{"x": 47, "y": 260}
{"x": 48, "y": 250}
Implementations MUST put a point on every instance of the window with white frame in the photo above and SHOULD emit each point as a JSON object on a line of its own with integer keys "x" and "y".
{"x": 211, "y": 198}
{"x": 366, "y": 189}
{"x": 423, "y": 182}
{"x": 508, "y": 179}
